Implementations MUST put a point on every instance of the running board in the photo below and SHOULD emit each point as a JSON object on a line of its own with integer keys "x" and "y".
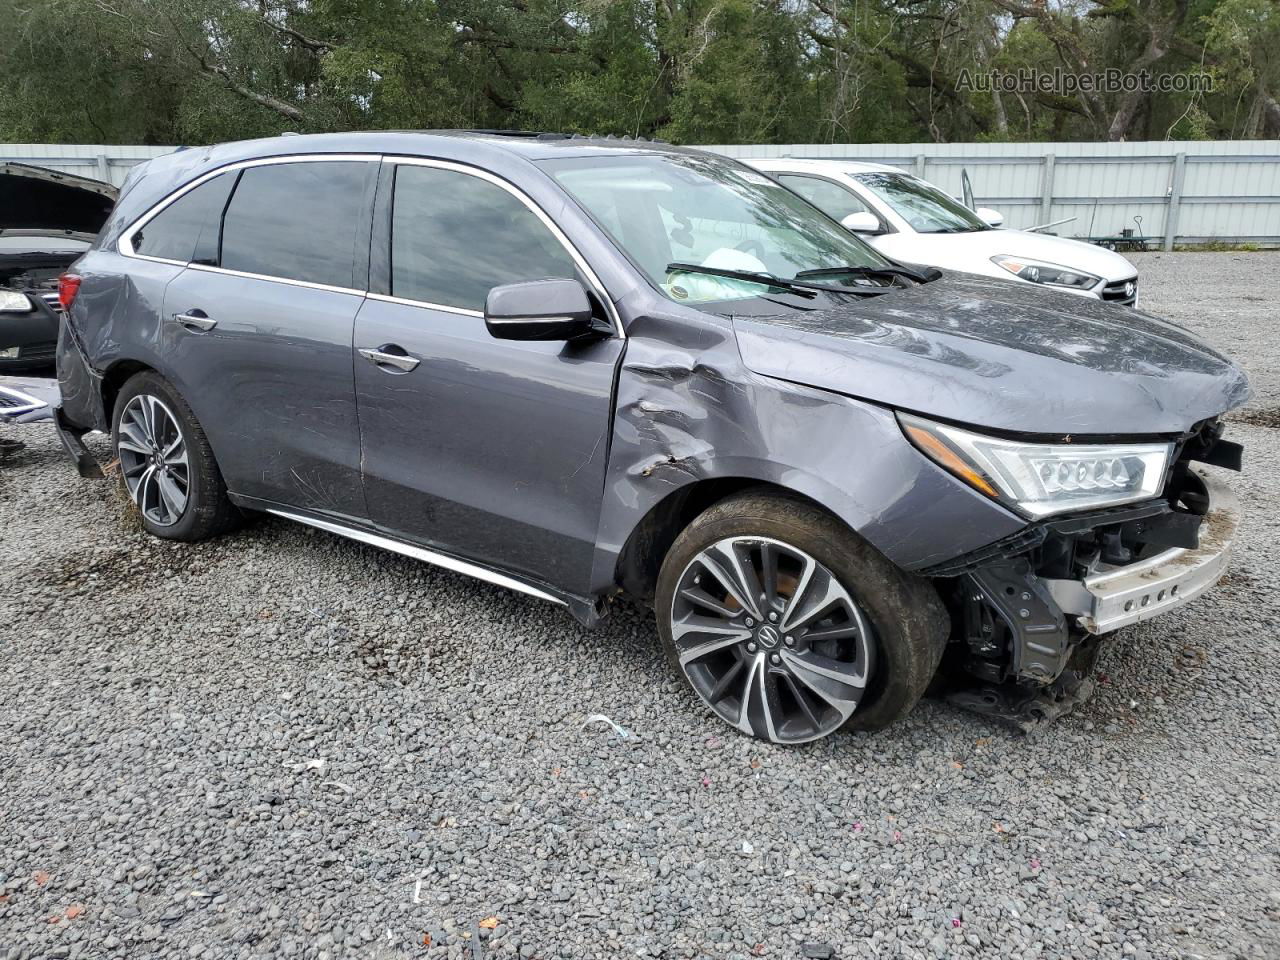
{"x": 420, "y": 553}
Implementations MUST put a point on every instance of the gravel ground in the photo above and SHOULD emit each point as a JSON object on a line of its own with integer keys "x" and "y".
{"x": 283, "y": 744}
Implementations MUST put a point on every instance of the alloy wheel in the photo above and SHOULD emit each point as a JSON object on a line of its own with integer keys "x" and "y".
{"x": 153, "y": 459}
{"x": 771, "y": 639}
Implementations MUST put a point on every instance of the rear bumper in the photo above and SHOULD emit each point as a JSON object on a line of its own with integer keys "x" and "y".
{"x": 1118, "y": 597}
{"x": 80, "y": 385}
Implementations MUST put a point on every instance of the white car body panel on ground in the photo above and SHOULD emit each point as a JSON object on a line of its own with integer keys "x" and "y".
{"x": 969, "y": 251}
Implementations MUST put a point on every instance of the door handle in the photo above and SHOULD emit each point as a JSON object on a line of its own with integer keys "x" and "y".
{"x": 381, "y": 356}
{"x": 195, "y": 321}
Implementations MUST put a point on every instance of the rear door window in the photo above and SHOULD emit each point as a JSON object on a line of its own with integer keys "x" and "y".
{"x": 832, "y": 199}
{"x": 455, "y": 236}
{"x": 299, "y": 221}
{"x": 187, "y": 229}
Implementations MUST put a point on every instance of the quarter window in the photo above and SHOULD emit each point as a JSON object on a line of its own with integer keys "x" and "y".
{"x": 833, "y": 200}
{"x": 299, "y": 221}
{"x": 187, "y": 229}
{"x": 455, "y": 236}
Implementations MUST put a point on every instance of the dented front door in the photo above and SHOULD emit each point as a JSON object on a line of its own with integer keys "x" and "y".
{"x": 490, "y": 449}
{"x": 493, "y": 450}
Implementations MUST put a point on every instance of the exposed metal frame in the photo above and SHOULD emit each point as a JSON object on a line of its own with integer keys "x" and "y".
{"x": 1115, "y": 597}
{"x": 421, "y": 553}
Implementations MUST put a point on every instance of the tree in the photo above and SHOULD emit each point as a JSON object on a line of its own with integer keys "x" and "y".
{"x": 196, "y": 71}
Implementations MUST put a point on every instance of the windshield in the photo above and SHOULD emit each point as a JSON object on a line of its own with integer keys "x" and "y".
{"x": 665, "y": 209}
{"x": 921, "y": 204}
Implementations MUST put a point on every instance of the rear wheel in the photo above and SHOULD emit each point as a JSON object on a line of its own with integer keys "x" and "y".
{"x": 166, "y": 464}
{"x": 788, "y": 626}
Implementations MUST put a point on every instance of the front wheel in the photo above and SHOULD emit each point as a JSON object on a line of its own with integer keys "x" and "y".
{"x": 788, "y": 626}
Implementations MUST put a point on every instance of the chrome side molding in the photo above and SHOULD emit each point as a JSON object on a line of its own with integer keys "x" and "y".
{"x": 421, "y": 553}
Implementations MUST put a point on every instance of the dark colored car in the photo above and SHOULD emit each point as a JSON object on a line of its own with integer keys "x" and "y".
{"x": 588, "y": 368}
{"x": 47, "y": 221}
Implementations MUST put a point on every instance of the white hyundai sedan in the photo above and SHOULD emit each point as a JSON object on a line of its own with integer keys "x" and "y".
{"x": 913, "y": 221}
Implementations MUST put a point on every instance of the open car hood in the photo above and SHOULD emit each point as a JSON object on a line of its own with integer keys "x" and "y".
{"x": 1004, "y": 356}
{"x": 40, "y": 201}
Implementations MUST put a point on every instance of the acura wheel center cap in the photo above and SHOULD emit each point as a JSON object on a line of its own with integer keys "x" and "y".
{"x": 767, "y": 636}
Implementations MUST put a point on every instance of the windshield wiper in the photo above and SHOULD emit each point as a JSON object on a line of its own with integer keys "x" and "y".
{"x": 919, "y": 276}
{"x": 797, "y": 286}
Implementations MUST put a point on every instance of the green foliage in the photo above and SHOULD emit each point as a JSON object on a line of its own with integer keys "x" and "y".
{"x": 692, "y": 71}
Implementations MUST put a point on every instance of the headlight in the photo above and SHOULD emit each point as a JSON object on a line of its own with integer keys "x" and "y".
{"x": 1050, "y": 274}
{"x": 1039, "y": 479}
{"x": 11, "y": 301}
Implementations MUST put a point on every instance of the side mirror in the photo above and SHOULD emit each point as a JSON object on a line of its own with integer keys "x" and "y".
{"x": 538, "y": 310}
{"x": 992, "y": 218}
{"x": 862, "y": 223}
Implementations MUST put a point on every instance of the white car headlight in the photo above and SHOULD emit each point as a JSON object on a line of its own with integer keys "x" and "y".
{"x": 11, "y": 301}
{"x": 1049, "y": 274}
{"x": 1040, "y": 479}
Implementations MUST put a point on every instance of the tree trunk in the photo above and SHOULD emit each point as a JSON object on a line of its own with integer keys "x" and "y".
{"x": 1270, "y": 113}
{"x": 1160, "y": 34}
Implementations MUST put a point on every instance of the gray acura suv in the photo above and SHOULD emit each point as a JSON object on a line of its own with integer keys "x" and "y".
{"x": 585, "y": 368}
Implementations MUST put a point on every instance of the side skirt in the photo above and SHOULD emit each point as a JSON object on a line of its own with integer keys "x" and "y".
{"x": 586, "y": 610}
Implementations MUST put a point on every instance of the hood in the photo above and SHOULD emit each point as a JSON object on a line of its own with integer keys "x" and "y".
{"x": 1004, "y": 356}
{"x": 36, "y": 199}
{"x": 973, "y": 252}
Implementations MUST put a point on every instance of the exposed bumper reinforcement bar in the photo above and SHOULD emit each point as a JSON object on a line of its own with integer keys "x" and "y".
{"x": 1117, "y": 597}
{"x": 70, "y": 436}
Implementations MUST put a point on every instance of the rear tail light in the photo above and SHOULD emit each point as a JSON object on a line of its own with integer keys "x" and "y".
{"x": 68, "y": 287}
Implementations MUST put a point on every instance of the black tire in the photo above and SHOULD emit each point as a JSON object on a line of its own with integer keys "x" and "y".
{"x": 207, "y": 512}
{"x": 908, "y": 624}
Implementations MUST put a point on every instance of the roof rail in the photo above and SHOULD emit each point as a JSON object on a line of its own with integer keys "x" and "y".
{"x": 558, "y": 135}
{"x": 527, "y": 134}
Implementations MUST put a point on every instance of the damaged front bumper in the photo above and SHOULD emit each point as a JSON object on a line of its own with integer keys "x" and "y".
{"x": 1117, "y": 597}
{"x": 1031, "y": 616}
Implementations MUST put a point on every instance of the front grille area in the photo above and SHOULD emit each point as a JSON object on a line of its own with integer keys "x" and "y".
{"x": 52, "y": 302}
{"x": 1123, "y": 292}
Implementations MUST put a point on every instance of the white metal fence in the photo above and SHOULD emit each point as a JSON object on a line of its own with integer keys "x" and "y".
{"x": 1183, "y": 192}
{"x": 107, "y": 163}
